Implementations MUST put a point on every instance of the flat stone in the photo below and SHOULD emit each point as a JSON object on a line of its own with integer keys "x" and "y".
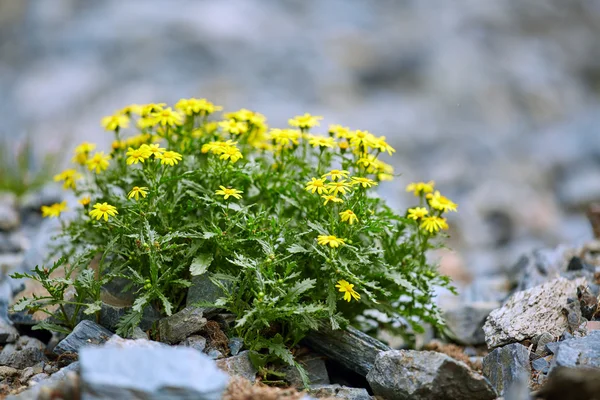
{"x": 119, "y": 342}
{"x": 195, "y": 342}
{"x": 426, "y": 375}
{"x": 315, "y": 369}
{"x": 337, "y": 391}
{"x": 578, "y": 352}
{"x": 85, "y": 333}
{"x": 25, "y": 352}
{"x": 352, "y": 348}
{"x": 149, "y": 373}
{"x": 465, "y": 321}
{"x": 505, "y": 365}
{"x": 178, "y": 326}
{"x": 239, "y": 365}
{"x": 531, "y": 312}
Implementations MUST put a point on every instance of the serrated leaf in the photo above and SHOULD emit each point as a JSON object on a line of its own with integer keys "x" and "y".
{"x": 208, "y": 235}
{"x": 140, "y": 302}
{"x": 201, "y": 263}
{"x": 166, "y": 304}
{"x": 300, "y": 287}
{"x": 51, "y": 327}
{"x": 92, "y": 308}
{"x": 296, "y": 248}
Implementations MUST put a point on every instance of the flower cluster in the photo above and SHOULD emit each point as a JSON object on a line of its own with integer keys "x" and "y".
{"x": 430, "y": 217}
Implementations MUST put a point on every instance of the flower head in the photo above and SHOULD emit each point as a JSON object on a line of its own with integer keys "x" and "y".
{"x": 380, "y": 144}
{"x": 85, "y": 147}
{"x": 169, "y": 157}
{"x": 154, "y": 149}
{"x": 68, "y": 176}
{"x": 137, "y": 191}
{"x": 54, "y": 210}
{"x": 316, "y": 185}
{"x": 338, "y": 187}
{"x": 103, "y": 210}
{"x": 331, "y": 198}
{"x": 305, "y": 121}
{"x": 99, "y": 162}
{"x": 336, "y": 174}
{"x": 226, "y": 192}
{"x": 339, "y": 131}
{"x": 417, "y": 212}
{"x": 348, "y": 290}
{"x": 167, "y": 117}
{"x": 330, "y": 240}
{"x": 349, "y": 216}
{"x": 84, "y": 201}
{"x": 284, "y": 137}
{"x": 439, "y": 202}
{"x": 419, "y": 188}
{"x": 200, "y": 107}
{"x": 433, "y": 223}
{"x": 364, "y": 182}
{"x": 137, "y": 155}
{"x": 115, "y": 122}
{"x": 321, "y": 141}
{"x": 234, "y": 127}
{"x": 231, "y": 153}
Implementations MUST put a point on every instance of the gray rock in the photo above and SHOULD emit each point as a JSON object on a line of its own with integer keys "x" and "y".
{"x": 26, "y": 352}
{"x": 28, "y": 372}
{"x": 540, "y": 266}
{"x": 138, "y": 333}
{"x": 178, "y": 326}
{"x": 13, "y": 242}
{"x": 32, "y": 202}
{"x": 578, "y": 352}
{"x": 8, "y": 372}
{"x": 204, "y": 290}
{"x": 195, "y": 342}
{"x": 518, "y": 389}
{"x": 85, "y": 333}
{"x": 350, "y": 347}
{"x": 571, "y": 384}
{"x": 465, "y": 321}
{"x": 8, "y": 333}
{"x": 552, "y": 347}
{"x": 239, "y": 365}
{"x": 531, "y": 312}
{"x": 9, "y": 215}
{"x": 37, "y": 378}
{"x": 541, "y": 365}
{"x": 342, "y": 392}
{"x": 410, "y": 374}
{"x": 315, "y": 369}
{"x": 214, "y": 354}
{"x": 149, "y": 373}
{"x": 235, "y": 345}
{"x": 505, "y": 365}
{"x": 63, "y": 381}
{"x": 119, "y": 342}
{"x": 541, "y": 343}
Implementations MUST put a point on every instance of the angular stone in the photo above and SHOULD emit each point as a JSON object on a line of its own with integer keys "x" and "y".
{"x": 352, "y": 348}
{"x": 239, "y": 365}
{"x": 63, "y": 382}
{"x": 337, "y": 391}
{"x": 138, "y": 333}
{"x": 235, "y": 345}
{"x": 541, "y": 365}
{"x": 195, "y": 342}
{"x": 426, "y": 375}
{"x": 26, "y": 352}
{"x": 7, "y": 372}
{"x": 85, "y": 333}
{"x": 506, "y": 365}
{"x": 28, "y": 372}
{"x": 8, "y": 333}
{"x": 178, "y": 326}
{"x": 578, "y": 352}
{"x": 466, "y": 321}
{"x": 571, "y": 384}
{"x": 204, "y": 290}
{"x": 531, "y": 312}
{"x": 541, "y": 343}
{"x": 315, "y": 369}
{"x": 149, "y": 373}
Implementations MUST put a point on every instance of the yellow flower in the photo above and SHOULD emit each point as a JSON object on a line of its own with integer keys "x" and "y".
{"x": 349, "y": 216}
{"x": 231, "y": 153}
{"x": 385, "y": 177}
{"x": 339, "y": 131}
{"x": 348, "y": 290}
{"x": 226, "y": 192}
{"x": 132, "y": 109}
{"x": 419, "y": 188}
{"x": 321, "y": 141}
{"x": 330, "y": 240}
{"x": 69, "y": 176}
{"x": 136, "y": 191}
{"x": 167, "y": 117}
{"x": 336, "y": 174}
{"x": 433, "y": 223}
{"x": 84, "y": 201}
{"x": 364, "y": 182}
{"x": 137, "y": 155}
{"x": 305, "y": 121}
{"x": 169, "y": 157}
{"x": 380, "y": 144}
{"x": 316, "y": 185}
{"x": 338, "y": 187}
{"x": 85, "y": 147}
{"x": 103, "y": 210}
{"x": 154, "y": 149}
{"x": 54, "y": 210}
{"x": 361, "y": 140}
{"x": 200, "y": 107}
{"x": 331, "y": 198}
{"x": 417, "y": 212}
{"x": 284, "y": 137}
{"x": 234, "y": 127}
{"x": 99, "y": 162}
{"x": 151, "y": 108}
{"x": 439, "y": 202}
{"x": 115, "y": 122}
{"x": 118, "y": 144}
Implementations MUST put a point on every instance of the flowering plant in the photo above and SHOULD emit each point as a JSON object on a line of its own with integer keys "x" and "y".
{"x": 285, "y": 221}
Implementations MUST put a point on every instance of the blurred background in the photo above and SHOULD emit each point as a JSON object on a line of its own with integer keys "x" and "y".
{"x": 497, "y": 101}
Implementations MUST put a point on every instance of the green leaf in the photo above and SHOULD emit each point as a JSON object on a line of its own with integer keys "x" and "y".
{"x": 200, "y": 264}
{"x": 296, "y": 248}
{"x": 166, "y": 303}
{"x": 300, "y": 287}
{"x": 128, "y": 322}
{"x": 93, "y": 308}
{"x": 51, "y": 327}
{"x": 23, "y": 304}
{"x": 140, "y": 302}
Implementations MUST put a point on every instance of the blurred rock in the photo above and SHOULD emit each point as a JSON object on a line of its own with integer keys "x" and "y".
{"x": 9, "y": 216}
{"x": 466, "y": 321}
{"x": 26, "y": 352}
{"x": 196, "y": 342}
{"x": 505, "y": 365}
{"x": 178, "y": 326}
{"x": 578, "y": 352}
{"x": 315, "y": 369}
{"x": 571, "y": 384}
{"x": 337, "y": 391}
{"x": 239, "y": 365}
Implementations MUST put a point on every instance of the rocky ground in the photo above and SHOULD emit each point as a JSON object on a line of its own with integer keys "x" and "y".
{"x": 536, "y": 336}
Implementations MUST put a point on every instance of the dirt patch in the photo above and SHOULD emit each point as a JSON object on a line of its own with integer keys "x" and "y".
{"x": 453, "y": 351}
{"x": 242, "y": 389}
{"x": 215, "y": 337}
